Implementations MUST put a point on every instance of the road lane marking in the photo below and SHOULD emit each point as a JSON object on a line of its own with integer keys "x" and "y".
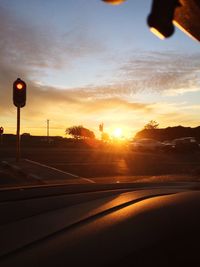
{"x": 63, "y": 172}
{"x": 89, "y": 180}
{"x": 87, "y": 163}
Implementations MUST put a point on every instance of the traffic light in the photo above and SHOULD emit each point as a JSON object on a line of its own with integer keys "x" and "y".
{"x": 19, "y": 93}
{"x": 1, "y": 130}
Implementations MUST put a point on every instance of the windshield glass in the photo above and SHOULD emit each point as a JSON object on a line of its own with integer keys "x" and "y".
{"x": 89, "y": 95}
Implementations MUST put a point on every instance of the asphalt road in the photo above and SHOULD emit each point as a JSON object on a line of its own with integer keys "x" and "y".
{"x": 111, "y": 162}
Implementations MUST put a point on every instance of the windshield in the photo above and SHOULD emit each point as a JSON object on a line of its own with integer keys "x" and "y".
{"x": 89, "y": 95}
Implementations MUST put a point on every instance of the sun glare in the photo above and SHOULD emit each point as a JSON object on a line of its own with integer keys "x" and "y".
{"x": 117, "y": 133}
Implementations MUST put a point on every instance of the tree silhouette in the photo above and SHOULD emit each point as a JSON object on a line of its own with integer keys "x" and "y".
{"x": 151, "y": 125}
{"x": 169, "y": 133}
{"x": 80, "y": 132}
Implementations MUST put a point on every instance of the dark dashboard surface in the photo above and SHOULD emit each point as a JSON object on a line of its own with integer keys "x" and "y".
{"x": 119, "y": 227}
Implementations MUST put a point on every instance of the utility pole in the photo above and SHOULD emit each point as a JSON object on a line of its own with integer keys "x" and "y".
{"x": 48, "y": 131}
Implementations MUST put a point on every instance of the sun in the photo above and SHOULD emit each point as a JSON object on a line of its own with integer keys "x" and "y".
{"x": 117, "y": 133}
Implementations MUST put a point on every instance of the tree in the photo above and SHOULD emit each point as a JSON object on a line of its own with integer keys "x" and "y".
{"x": 151, "y": 125}
{"x": 80, "y": 132}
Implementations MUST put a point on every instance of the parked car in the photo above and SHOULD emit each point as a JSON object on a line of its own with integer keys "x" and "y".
{"x": 146, "y": 144}
{"x": 185, "y": 143}
{"x": 168, "y": 145}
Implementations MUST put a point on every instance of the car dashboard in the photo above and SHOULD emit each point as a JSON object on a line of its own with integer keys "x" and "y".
{"x": 117, "y": 225}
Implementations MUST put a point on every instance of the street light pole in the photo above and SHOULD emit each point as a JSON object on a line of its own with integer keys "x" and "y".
{"x": 48, "y": 130}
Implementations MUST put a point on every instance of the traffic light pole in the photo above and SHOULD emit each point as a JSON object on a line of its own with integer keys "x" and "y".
{"x": 18, "y": 135}
{"x": 19, "y": 100}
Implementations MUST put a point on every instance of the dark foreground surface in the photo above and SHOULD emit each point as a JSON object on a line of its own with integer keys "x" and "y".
{"x": 95, "y": 226}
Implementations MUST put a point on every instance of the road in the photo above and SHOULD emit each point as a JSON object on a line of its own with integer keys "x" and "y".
{"x": 118, "y": 163}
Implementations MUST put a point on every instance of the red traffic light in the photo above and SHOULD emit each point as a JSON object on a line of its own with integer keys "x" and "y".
{"x": 19, "y": 93}
{"x": 19, "y": 86}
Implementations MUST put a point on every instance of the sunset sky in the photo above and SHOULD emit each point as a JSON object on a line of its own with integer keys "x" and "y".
{"x": 86, "y": 62}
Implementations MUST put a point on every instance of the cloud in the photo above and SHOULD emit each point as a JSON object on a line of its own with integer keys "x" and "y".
{"x": 82, "y": 100}
{"x": 25, "y": 48}
{"x": 164, "y": 72}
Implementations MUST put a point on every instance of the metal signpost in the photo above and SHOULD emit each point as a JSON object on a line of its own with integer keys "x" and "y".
{"x": 19, "y": 100}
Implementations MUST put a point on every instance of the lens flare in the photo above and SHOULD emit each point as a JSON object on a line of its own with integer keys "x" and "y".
{"x": 118, "y": 132}
{"x": 114, "y": 2}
